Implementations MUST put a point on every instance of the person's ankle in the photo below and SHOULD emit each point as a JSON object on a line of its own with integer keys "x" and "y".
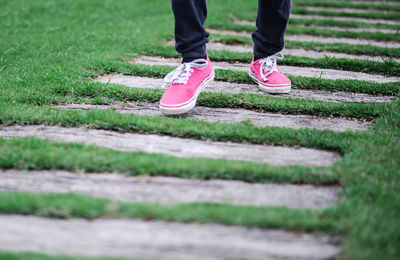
{"x": 190, "y": 59}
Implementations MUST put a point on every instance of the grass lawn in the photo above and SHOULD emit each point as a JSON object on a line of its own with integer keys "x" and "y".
{"x": 50, "y": 50}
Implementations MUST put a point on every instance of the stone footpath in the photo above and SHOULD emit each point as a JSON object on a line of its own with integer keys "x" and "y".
{"x": 192, "y": 241}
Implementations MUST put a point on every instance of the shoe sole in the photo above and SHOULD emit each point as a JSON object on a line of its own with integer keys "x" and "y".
{"x": 276, "y": 89}
{"x": 181, "y": 109}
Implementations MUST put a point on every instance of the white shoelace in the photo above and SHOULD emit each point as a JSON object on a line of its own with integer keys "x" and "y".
{"x": 182, "y": 74}
{"x": 269, "y": 64}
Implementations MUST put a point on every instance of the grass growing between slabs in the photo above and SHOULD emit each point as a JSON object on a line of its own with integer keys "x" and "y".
{"x": 49, "y": 48}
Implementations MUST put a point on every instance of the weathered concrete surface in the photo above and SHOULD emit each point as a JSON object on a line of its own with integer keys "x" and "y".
{"x": 297, "y": 52}
{"x": 169, "y": 190}
{"x": 311, "y": 38}
{"x": 334, "y": 28}
{"x": 347, "y": 10}
{"x": 180, "y": 147}
{"x": 236, "y": 88}
{"x": 339, "y": 18}
{"x": 359, "y": 29}
{"x": 289, "y": 70}
{"x": 374, "y": 2}
{"x": 157, "y": 240}
{"x": 238, "y": 115}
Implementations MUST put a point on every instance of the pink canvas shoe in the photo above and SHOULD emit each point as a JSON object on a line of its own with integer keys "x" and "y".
{"x": 184, "y": 86}
{"x": 265, "y": 72}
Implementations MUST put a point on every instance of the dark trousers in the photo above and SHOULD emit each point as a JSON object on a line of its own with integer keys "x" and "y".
{"x": 191, "y": 37}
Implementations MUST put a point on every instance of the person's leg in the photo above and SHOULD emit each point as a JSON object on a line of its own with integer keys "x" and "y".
{"x": 190, "y": 35}
{"x": 272, "y": 19}
{"x": 187, "y": 81}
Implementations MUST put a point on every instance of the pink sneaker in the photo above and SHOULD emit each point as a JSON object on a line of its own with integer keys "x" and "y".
{"x": 265, "y": 72}
{"x": 185, "y": 84}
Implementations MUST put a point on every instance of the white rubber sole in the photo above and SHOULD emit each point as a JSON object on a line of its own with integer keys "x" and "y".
{"x": 276, "y": 89}
{"x": 171, "y": 110}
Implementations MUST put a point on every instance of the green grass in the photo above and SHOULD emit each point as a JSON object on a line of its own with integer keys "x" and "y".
{"x": 48, "y": 50}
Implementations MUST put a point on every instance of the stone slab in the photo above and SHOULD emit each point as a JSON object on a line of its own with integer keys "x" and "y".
{"x": 226, "y": 115}
{"x": 334, "y": 28}
{"x": 298, "y": 52}
{"x": 374, "y": 2}
{"x": 340, "y": 18}
{"x": 179, "y": 147}
{"x": 311, "y": 38}
{"x": 169, "y": 190}
{"x": 347, "y": 10}
{"x": 157, "y": 240}
{"x": 236, "y": 88}
{"x": 289, "y": 70}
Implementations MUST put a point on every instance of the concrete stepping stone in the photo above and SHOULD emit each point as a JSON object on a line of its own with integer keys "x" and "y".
{"x": 169, "y": 190}
{"x": 334, "y": 28}
{"x": 311, "y": 38}
{"x": 179, "y": 147}
{"x": 297, "y": 52}
{"x": 346, "y": 10}
{"x": 374, "y": 2}
{"x": 289, "y": 70}
{"x": 157, "y": 240}
{"x": 340, "y": 18}
{"x": 238, "y": 115}
{"x": 236, "y": 88}
{"x": 360, "y": 29}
